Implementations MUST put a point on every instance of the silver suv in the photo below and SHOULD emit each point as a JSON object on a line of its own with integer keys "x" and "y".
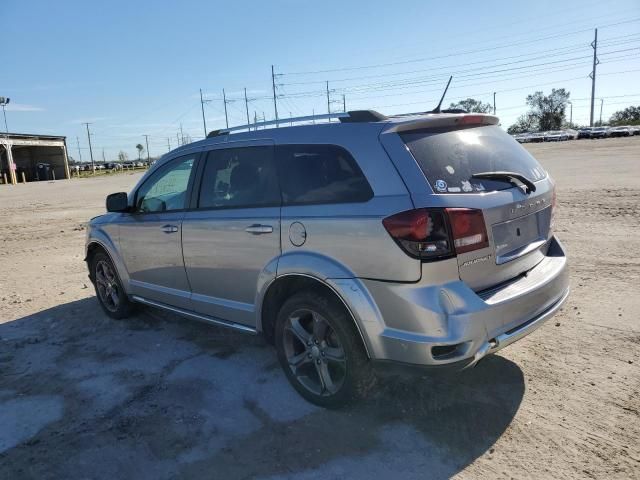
{"x": 422, "y": 240}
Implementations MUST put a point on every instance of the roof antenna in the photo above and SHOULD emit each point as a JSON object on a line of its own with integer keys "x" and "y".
{"x": 437, "y": 109}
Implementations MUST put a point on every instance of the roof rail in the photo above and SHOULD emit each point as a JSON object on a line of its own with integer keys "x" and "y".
{"x": 355, "y": 116}
{"x": 308, "y": 118}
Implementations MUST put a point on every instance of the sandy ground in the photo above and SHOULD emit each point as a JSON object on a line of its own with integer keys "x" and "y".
{"x": 83, "y": 396}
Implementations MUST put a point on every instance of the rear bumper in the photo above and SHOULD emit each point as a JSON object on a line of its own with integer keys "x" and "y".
{"x": 463, "y": 325}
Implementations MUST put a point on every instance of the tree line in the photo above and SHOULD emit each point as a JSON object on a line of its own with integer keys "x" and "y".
{"x": 546, "y": 112}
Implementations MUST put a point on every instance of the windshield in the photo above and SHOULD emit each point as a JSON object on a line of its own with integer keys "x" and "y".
{"x": 449, "y": 158}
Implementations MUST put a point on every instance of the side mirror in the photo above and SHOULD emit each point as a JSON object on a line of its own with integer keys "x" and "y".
{"x": 117, "y": 202}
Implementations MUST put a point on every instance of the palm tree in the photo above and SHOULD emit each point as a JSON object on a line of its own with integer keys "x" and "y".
{"x": 140, "y": 150}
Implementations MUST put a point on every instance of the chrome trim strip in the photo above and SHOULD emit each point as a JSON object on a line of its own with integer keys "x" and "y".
{"x": 196, "y": 316}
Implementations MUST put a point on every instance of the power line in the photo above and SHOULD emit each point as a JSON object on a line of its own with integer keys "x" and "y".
{"x": 380, "y": 86}
{"x": 498, "y": 47}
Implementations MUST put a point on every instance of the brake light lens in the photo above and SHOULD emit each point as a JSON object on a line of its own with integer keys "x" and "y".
{"x": 468, "y": 229}
{"x": 475, "y": 120}
{"x": 431, "y": 233}
{"x": 422, "y": 233}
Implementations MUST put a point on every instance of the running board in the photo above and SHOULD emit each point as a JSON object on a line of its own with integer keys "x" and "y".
{"x": 195, "y": 316}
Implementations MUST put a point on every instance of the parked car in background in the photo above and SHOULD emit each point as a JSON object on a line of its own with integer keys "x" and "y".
{"x": 536, "y": 137}
{"x": 572, "y": 134}
{"x": 523, "y": 137}
{"x": 585, "y": 132}
{"x": 634, "y": 129}
{"x": 128, "y": 165}
{"x": 620, "y": 131}
{"x": 348, "y": 245}
{"x": 555, "y": 136}
{"x": 599, "y": 132}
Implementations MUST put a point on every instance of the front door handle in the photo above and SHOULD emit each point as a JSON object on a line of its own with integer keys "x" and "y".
{"x": 257, "y": 229}
{"x": 169, "y": 229}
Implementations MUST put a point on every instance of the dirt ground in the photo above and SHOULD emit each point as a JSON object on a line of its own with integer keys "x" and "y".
{"x": 157, "y": 396}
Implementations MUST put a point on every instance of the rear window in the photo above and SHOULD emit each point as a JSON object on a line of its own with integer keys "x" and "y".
{"x": 316, "y": 174}
{"x": 449, "y": 158}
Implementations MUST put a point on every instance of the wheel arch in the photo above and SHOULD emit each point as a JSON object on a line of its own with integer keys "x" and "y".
{"x": 286, "y": 285}
{"x": 95, "y": 245}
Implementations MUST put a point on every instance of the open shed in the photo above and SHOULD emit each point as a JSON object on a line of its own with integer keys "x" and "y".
{"x": 32, "y": 157}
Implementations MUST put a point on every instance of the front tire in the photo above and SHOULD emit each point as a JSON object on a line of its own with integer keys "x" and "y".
{"x": 111, "y": 296}
{"x": 321, "y": 352}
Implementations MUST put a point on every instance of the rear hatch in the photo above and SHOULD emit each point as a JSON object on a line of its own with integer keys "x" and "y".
{"x": 517, "y": 219}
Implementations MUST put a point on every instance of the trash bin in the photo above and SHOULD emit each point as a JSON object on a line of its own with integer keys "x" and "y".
{"x": 43, "y": 171}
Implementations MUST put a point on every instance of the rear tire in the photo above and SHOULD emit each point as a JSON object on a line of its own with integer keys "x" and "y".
{"x": 321, "y": 352}
{"x": 111, "y": 296}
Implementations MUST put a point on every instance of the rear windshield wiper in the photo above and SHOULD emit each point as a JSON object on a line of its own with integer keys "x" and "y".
{"x": 516, "y": 178}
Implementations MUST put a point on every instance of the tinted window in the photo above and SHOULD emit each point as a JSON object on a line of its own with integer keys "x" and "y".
{"x": 320, "y": 174}
{"x": 166, "y": 189}
{"x": 239, "y": 177}
{"x": 449, "y": 158}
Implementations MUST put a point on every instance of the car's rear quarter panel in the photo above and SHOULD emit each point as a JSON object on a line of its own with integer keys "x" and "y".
{"x": 352, "y": 234}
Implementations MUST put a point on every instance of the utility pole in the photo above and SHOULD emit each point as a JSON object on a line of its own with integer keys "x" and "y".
{"x": 494, "y": 103}
{"x": 246, "y": 106}
{"x": 178, "y": 138}
{"x": 204, "y": 120}
{"x": 79, "y": 151}
{"x": 275, "y": 104}
{"x": 344, "y": 103}
{"x": 168, "y": 144}
{"x": 601, "y": 102}
{"x": 181, "y": 135}
{"x": 103, "y": 159}
{"x": 328, "y": 101}
{"x": 570, "y": 113}
{"x": 313, "y": 114}
{"x": 146, "y": 138}
{"x": 93, "y": 167}
{"x": 592, "y": 75}
{"x": 290, "y": 120}
{"x": 226, "y": 116}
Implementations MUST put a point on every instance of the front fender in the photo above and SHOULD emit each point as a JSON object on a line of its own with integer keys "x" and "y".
{"x": 97, "y": 235}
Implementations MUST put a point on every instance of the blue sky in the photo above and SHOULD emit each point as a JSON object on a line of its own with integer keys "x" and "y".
{"x": 134, "y": 68}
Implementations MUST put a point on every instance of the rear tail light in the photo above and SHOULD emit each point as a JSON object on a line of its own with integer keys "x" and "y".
{"x": 422, "y": 233}
{"x": 468, "y": 229}
{"x": 429, "y": 233}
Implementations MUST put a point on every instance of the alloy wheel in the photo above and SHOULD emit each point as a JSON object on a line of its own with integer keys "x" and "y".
{"x": 108, "y": 288}
{"x": 314, "y": 353}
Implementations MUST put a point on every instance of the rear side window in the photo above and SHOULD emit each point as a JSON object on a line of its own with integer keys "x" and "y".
{"x": 449, "y": 158}
{"x": 239, "y": 177}
{"x": 316, "y": 174}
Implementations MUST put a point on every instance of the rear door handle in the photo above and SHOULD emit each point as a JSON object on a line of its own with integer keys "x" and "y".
{"x": 169, "y": 229}
{"x": 257, "y": 229}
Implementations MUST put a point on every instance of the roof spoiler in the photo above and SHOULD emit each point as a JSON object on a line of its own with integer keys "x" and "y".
{"x": 428, "y": 121}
